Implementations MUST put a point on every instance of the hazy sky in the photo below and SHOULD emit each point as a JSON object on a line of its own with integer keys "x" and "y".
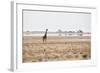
{"x": 40, "y": 20}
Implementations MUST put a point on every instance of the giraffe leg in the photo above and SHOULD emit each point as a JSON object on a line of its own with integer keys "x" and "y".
{"x": 43, "y": 40}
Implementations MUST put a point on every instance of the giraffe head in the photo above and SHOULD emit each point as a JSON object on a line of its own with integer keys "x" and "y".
{"x": 46, "y": 29}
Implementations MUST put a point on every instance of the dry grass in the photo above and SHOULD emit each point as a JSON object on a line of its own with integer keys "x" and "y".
{"x": 56, "y": 49}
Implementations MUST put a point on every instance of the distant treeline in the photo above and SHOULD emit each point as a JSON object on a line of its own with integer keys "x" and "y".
{"x": 59, "y": 31}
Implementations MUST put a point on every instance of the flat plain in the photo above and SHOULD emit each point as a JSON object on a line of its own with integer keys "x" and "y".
{"x": 56, "y": 48}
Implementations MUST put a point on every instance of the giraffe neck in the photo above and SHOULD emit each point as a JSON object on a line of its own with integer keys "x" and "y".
{"x": 45, "y": 33}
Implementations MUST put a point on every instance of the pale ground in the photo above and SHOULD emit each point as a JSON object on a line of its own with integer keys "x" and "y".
{"x": 56, "y": 48}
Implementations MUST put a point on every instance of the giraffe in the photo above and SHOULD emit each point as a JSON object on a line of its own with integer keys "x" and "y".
{"x": 45, "y": 36}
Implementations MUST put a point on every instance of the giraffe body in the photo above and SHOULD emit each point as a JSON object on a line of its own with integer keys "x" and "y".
{"x": 45, "y": 36}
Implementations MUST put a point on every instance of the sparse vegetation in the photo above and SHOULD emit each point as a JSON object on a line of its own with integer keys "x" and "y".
{"x": 56, "y": 49}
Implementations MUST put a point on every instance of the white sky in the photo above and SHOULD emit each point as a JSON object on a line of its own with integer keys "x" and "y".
{"x": 39, "y": 21}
